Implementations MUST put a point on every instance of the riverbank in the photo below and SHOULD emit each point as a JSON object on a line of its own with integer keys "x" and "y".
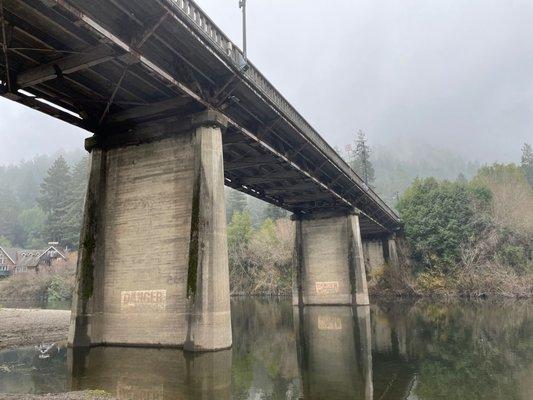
{"x": 84, "y": 395}
{"x": 20, "y": 327}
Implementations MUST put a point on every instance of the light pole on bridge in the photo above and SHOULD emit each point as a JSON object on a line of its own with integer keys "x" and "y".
{"x": 242, "y": 4}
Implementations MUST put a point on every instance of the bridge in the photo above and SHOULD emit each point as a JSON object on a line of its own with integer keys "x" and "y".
{"x": 177, "y": 112}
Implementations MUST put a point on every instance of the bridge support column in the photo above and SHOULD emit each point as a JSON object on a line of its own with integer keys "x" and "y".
{"x": 392, "y": 258}
{"x": 328, "y": 261}
{"x": 153, "y": 264}
{"x": 374, "y": 252}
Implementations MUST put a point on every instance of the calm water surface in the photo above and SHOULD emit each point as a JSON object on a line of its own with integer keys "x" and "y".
{"x": 394, "y": 351}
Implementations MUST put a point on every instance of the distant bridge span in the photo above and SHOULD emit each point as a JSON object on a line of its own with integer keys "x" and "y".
{"x": 136, "y": 73}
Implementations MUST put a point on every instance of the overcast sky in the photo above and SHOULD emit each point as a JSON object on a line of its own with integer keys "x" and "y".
{"x": 456, "y": 74}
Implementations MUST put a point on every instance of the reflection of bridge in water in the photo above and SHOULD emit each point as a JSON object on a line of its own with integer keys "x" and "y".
{"x": 446, "y": 351}
{"x": 333, "y": 346}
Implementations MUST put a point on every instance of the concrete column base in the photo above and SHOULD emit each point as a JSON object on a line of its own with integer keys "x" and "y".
{"x": 328, "y": 261}
{"x": 153, "y": 265}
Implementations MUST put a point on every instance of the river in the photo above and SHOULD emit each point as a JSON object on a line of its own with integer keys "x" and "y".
{"x": 391, "y": 350}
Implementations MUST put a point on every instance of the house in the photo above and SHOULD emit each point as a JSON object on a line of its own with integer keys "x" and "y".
{"x": 7, "y": 261}
{"x": 21, "y": 260}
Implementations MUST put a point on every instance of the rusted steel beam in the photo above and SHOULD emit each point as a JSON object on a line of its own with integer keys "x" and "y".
{"x": 66, "y": 65}
{"x": 151, "y": 30}
{"x": 115, "y": 90}
{"x": 304, "y": 172}
{"x": 146, "y": 111}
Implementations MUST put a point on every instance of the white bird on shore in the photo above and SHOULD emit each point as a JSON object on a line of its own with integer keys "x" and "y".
{"x": 47, "y": 350}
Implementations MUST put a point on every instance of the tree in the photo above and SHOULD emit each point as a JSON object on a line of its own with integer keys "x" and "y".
{"x": 512, "y": 196}
{"x": 240, "y": 229}
{"x": 9, "y": 217}
{"x": 54, "y": 200}
{"x": 439, "y": 217}
{"x": 32, "y": 222}
{"x": 236, "y": 202}
{"x": 75, "y": 199}
{"x": 359, "y": 159}
{"x": 5, "y": 242}
{"x": 527, "y": 162}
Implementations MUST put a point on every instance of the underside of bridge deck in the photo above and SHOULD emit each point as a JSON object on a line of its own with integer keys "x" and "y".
{"x": 116, "y": 65}
{"x": 176, "y": 112}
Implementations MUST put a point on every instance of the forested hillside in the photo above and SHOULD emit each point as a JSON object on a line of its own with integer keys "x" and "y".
{"x": 41, "y": 200}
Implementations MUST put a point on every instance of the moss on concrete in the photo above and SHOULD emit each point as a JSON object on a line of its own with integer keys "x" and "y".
{"x": 192, "y": 271}
{"x": 87, "y": 268}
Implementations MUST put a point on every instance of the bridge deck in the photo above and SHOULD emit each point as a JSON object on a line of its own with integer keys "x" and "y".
{"x": 113, "y": 65}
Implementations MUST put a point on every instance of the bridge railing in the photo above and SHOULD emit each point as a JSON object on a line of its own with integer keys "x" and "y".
{"x": 224, "y": 47}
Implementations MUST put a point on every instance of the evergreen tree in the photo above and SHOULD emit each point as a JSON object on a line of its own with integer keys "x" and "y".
{"x": 9, "y": 217}
{"x": 32, "y": 221}
{"x": 236, "y": 202}
{"x": 359, "y": 160}
{"x": 75, "y": 200}
{"x": 5, "y": 242}
{"x": 527, "y": 162}
{"x": 54, "y": 200}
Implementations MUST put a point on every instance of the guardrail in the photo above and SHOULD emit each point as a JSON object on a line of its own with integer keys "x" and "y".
{"x": 232, "y": 54}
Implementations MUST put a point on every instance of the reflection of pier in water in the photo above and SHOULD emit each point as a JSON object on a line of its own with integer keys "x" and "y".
{"x": 334, "y": 352}
{"x": 343, "y": 353}
{"x": 151, "y": 374}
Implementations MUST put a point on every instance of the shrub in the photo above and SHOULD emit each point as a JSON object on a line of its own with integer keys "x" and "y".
{"x": 49, "y": 284}
{"x": 260, "y": 259}
{"x": 439, "y": 217}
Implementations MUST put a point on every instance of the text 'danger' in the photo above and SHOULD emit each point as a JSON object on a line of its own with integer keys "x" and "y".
{"x": 327, "y": 287}
{"x": 143, "y": 300}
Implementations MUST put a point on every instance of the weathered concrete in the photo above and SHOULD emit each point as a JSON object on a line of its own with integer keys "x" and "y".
{"x": 153, "y": 268}
{"x": 392, "y": 258}
{"x": 328, "y": 261}
{"x": 141, "y": 373}
{"x": 374, "y": 256}
{"x": 364, "y": 327}
{"x": 334, "y": 352}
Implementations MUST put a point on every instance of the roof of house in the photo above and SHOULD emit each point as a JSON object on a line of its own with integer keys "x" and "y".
{"x": 28, "y": 258}
{"x": 10, "y": 252}
{"x": 54, "y": 249}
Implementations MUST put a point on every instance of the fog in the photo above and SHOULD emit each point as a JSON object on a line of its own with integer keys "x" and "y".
{"x": 455, "y": 75}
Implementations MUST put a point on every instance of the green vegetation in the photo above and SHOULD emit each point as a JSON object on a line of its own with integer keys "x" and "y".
{"x": 55, "y": 283}
{"x": 441, "y": 216}
{"x": 235, "y": 202}
{"x": 259, "y": 258}
{"x": 42, "y": 201}
{"x": 527, "y": 162}
{"x": 470, "y": 238}
{"x": 470, "y": 235}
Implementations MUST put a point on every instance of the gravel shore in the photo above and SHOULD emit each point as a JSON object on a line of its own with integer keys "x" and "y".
{"x": 85, "y": 395}
{"x": 20, "y": 327}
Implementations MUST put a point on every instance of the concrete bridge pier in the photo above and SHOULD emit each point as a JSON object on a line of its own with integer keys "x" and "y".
{"x": 392, "y": 257}
{"x": 153, "y": 265}
{"x": 328, "y": 260}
